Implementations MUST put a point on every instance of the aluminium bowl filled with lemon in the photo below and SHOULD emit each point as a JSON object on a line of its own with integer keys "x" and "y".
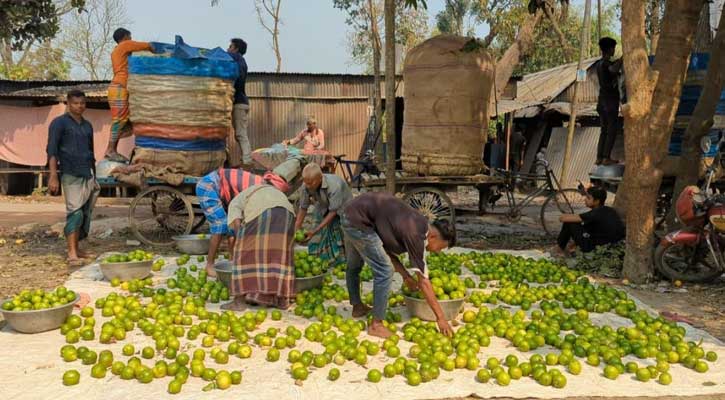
{"x": 38, "y": 311}
{"x": 126, "y": 267}
{"x": 197, "y": 244}
{"x": 310, "y": 271}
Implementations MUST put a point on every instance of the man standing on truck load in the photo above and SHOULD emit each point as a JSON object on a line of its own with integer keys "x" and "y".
{"x": 237, "y": 49}
{"x": 117, "y": 92}
{"x": 378, "y": 227}
{"x": 70, "y": 147}
{"x": 608, "y": 72}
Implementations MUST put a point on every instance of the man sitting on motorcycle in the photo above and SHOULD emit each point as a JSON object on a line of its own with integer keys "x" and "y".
{"x": 600, "y": 226}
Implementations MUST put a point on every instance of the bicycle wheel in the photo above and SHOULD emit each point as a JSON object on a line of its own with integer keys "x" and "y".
{"x": 565, "y": 201}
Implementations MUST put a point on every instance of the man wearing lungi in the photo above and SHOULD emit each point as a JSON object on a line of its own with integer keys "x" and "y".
{"x": 70, "y": 155}
{"x": 215, "y": 191}
{"x": 329, "y": 193}
{"x": 117, "y": 92}
{"x": 263, "y": 270}
{"x": 378, "y": 227}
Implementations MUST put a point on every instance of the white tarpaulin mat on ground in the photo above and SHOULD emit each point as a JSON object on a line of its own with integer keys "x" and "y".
{"x": 32, "y": 368}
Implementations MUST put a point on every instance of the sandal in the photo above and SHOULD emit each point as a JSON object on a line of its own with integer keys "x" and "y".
{"x": 76, "y": 263}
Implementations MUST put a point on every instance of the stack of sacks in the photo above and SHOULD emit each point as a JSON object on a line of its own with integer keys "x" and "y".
{"x": 181, "y": 106}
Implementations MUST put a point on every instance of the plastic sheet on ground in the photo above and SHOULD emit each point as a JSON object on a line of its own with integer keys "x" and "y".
{"x": 32, "y": 368}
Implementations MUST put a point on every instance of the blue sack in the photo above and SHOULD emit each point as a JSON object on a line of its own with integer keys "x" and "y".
{"x": 185, "y": 60}
{"x": 180, "y": 145}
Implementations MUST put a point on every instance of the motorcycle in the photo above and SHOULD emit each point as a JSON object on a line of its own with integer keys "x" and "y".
{"x": 695, "y": 252}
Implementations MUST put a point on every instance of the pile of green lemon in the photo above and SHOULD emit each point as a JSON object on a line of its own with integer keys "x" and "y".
{"x": 533, "y": 305}
{"x": 307, "y": 265}
{"x": 39, "y": 299}
{"x": 133, "y": 256}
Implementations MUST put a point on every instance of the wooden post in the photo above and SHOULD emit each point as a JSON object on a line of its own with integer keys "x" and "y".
{"x": 572, "y": 117}
{"x": 508, "y": 122}
{"x": 390, "y": 93}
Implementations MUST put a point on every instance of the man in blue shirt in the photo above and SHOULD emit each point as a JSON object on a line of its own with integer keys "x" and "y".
{"x": 70, "y": 155}
{"x": 237, "y": 49}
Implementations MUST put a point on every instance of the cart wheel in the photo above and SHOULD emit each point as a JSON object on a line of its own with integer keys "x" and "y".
{"x": 159, "y": 213}
{"x": 199, "y": 218}
{"x": 432, "y": 203}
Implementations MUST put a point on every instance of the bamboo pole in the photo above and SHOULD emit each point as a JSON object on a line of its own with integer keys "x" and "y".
{"x": 583, "y": 45}
{"x": 599, "y": 19}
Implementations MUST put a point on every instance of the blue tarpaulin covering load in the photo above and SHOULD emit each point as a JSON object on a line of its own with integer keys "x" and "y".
{"x": 184, "y": 60}
{"x": 691, "y": 90}
{"x": 181, "y": 101}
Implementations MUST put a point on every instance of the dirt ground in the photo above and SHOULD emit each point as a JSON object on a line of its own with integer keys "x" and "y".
{"x": 37, "y": 260}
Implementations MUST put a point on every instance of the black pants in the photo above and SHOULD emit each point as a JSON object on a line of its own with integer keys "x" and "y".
{"x": 574, "y": 231}
{"x": 609, "y": 119}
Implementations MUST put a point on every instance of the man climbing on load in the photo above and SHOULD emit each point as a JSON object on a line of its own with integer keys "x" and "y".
{"x": 117, "y": 92}
{"x": 598, "y": 227}
{"x": 608, "y": 72}
{"x": 378, "y": 227}
{"x": 240, "y": 115}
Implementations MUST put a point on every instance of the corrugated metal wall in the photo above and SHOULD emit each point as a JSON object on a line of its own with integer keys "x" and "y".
{"x": 281, "y": 103}
{"x": 583, "y": 154}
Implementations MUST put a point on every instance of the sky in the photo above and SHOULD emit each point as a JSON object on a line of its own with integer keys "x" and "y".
{"x": 312, "y": 37}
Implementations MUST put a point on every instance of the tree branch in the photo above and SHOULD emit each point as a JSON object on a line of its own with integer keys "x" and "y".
{"x": 493, "y": 31}
{"x": 26, "y": 52}
{"x": 555, "y": 24}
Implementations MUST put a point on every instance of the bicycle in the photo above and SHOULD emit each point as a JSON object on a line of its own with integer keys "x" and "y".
{"x": 558, "y": 201}
{"x": 365, "y": 165}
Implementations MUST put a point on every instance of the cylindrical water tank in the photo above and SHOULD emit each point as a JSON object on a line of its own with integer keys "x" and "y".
{"x": 447, "y": 93}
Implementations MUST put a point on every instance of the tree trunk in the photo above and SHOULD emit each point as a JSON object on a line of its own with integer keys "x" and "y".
{"x": 702, "y": 118}
{"x": 654, "y": 95}
{"x": 375, "y": 40}
{"x": 510, "y": 59}
{"x": 390, "y": 93}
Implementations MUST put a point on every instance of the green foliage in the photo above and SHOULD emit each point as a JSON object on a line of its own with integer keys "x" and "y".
{"x": 43, "y": 63}
{"x": 458, "y": 17}
{"x": 548, "y": 51}
{"x": 604, "y": 260}
{"x": 23, "y": 22}
{"x": 411, "y": 24}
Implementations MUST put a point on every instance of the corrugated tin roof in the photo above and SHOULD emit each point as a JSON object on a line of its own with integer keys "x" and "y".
{"x": 259, "y": 84}
{"x": 544, "y": 86}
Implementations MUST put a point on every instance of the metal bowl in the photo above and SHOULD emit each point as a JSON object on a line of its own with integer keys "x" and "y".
{"x": 302, "y": 284}
{"x": 192, "y": 244}
{"x": 420, "y": 308}
{"x": 224, "y": 272}
{"x": 126, "y": 271}
{"x": 36, "y": 321}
